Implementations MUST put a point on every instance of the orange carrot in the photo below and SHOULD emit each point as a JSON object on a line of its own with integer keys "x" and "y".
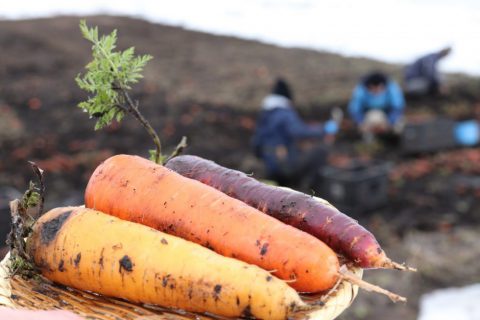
{"x": 138, "y": 190}
{"x": 339, "y": 231}
{"x": 90, "y": 250}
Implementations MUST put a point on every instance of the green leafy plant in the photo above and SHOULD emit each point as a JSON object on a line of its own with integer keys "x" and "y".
{"x": 108, "y": 78}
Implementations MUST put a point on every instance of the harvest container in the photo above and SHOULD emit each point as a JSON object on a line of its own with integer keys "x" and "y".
{"x": 356, "y": 188}
{"x": 428, "y": 136}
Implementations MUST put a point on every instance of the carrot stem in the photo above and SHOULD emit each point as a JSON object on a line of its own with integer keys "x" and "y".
{"x": 179, "y": 148}
{"x": 132, "y": 108}
{"x": 41, "y": 189}
{"x": 21, "y": 225}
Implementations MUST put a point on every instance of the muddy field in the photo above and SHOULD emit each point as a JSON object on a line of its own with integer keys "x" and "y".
{"x": 208, "y": 88}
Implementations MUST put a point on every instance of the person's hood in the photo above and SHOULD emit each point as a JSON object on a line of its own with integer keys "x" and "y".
{"x": 273, "y": 101}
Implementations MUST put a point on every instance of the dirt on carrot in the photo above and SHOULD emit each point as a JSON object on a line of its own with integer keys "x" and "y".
{"x": 90, "y": 250}
{"x": 300, "y": 210}
{"x": 135, "y": 189}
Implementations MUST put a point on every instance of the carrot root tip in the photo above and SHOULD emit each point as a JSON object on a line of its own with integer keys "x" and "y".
{"x": 398, "y": 266}
{"x": 347, "y": 276}
{"x": 290, "y": 281}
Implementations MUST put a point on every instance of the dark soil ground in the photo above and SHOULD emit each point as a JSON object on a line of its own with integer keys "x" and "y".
{"x": 208, "y": 88}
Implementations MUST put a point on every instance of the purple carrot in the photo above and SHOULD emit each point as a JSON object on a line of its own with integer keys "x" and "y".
{"x": 342, "y": 233}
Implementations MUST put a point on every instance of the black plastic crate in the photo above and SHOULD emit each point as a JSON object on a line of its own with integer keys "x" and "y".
{"x": 355, "y": 189}
{"x": 428, "y": 136}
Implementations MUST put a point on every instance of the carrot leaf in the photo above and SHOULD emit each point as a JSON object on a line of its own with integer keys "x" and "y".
{"x": 108, "y": 78}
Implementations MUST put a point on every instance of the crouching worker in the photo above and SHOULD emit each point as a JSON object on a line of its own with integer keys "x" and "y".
{"x": 377, "y": 106}
{"x": 278, "y": 135}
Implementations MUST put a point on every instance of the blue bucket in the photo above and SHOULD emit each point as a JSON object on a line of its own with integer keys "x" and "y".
{"x": 467, "y": 133}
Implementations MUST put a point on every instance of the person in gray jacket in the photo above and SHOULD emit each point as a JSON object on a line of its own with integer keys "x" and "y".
{"x": 422, "y": 77}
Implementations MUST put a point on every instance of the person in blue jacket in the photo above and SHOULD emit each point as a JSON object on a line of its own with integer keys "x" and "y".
{"x": 422, "y": 77}
{"x": 279, "y": 130}
{"x": 377, "y": 104}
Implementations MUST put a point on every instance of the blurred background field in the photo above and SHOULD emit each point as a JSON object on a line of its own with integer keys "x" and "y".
{"x": 209, "y": 88}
